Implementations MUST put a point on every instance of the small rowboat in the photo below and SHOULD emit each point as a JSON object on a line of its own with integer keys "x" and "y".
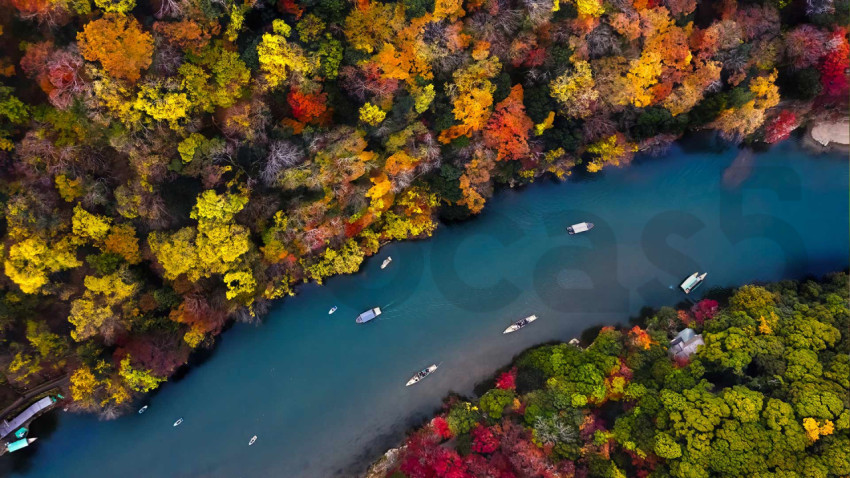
{"x": 142, "y": 410}
{"x": 178, "y": 422}
{"x": 333, "y": 309}
{"x": 693, "y": 281}
{"x": 253, "y": 439}
{"x": 520, "y": 324}
{"x": 580, "y": 227}
{"x": 421, "y": 375}
{"x": 386, "y": 262}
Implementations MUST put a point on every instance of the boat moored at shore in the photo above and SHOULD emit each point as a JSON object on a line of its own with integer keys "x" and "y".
{"x": 520, "y": 324}
{"x": 580, "y": 227}
{"x": 368, "y": 315}
{"x": 693, "y": 281}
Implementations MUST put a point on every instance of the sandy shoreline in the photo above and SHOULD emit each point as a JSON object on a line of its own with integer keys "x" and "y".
{"x": 830, "y": 135}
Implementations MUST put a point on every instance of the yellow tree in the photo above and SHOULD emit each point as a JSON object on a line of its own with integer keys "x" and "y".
{"x": 575, "y": 90}
{"x": 278, "y": 57}
{"x": 101, "y": 309}
{"x": 30, "y": 261}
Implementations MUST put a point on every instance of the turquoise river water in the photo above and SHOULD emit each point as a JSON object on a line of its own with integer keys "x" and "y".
{"x": 326, "y": 396}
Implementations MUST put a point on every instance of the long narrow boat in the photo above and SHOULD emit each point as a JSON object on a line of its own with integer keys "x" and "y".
{"x": 420, "y": 375}
{"x": 386, "y": 262}
{"x": 693, "y": 281}
{"x": 253, "y": 439}
{"x": 580, "y": 227}
{"x": 178, "y": 422}
{"x": 520, "y": 324}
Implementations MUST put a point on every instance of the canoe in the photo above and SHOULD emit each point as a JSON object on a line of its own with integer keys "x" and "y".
{"x": 520, "y": 324}
{"x": 419, "y": 376}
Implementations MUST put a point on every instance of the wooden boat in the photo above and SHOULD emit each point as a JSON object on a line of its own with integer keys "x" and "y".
{"x": 693, "y": 281}
{"x": 178, "y": 422}
{"x": 253, "y": 439}
{"x": 142, "y": 410}
{"x": 386, "y": 262}
{"x": 368, "y": 315}
{"x": 520, "y": 324}
{"x": 580, "y": 227}
{"x": 420, "y": 375}
{"x": 333, "y": 309}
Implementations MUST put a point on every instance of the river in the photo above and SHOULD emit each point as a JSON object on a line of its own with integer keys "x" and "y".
{"x": 326, "y": 396}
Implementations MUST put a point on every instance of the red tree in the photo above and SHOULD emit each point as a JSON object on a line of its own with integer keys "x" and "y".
{"x": 507, "y": 380}
{"x": 441, "y": 426}
{"x": 508, "y": 127}
{"x": 704, "y": 310}
{"x": 484, "y": 440}
{"x": 308, "y": 107}
{"x": 780, "y": 127}
{"x": 834, "y": 65}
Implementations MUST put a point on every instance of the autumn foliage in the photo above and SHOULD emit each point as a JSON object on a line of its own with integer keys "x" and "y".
{"x": 173, "y": 166}
{"x": 119, "y": 44}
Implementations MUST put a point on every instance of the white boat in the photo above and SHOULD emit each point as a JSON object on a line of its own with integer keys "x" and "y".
{"x": 142, "y": 410}
{"x": 421, "y": 375}
{"x": 368, "y": 315}
{"x": 520, "y": 324}
{"x": 386, "y": 262}
{"x": 333, "y": 309}
{"x": 693, "y": 281}
{"x": 253, "y": 439}
{"x": 178, "y": 422}
{"x": 580, "y": 227}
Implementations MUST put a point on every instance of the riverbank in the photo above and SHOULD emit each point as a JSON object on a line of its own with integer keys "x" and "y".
{"x": 689, "y": 390}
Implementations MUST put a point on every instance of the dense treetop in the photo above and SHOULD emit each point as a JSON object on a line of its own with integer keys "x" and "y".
{"x": 169, "y": 165}
{"x": 766, "y": 396}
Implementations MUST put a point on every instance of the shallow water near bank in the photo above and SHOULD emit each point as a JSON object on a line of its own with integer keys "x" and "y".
{"x": 326, "y": 396}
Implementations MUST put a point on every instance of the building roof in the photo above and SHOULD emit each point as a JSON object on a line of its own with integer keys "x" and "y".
{"x": 685, "y": 344}
{"x": 8, "y": 426}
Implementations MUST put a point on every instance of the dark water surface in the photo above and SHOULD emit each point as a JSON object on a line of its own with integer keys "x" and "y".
{"x": 326, "y": 396}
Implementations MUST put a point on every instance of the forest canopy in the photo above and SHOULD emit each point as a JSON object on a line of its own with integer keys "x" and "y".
{"x": 173, "y": 165}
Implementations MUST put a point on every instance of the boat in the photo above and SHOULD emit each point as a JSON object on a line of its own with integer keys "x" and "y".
{"x": 178, "y": 422}
{"x": 693, "y": 281}
{"x": 368, "y": 315}
{"x": 386, "y": 262}
{"x": 580, "y": 227}
{"x": 142, "y": 410}
{"x": 253, "y": 439}
{"x": 333, "y": 309}
{"x": 421, "y": 375}
{"x": 520, "y": 324}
